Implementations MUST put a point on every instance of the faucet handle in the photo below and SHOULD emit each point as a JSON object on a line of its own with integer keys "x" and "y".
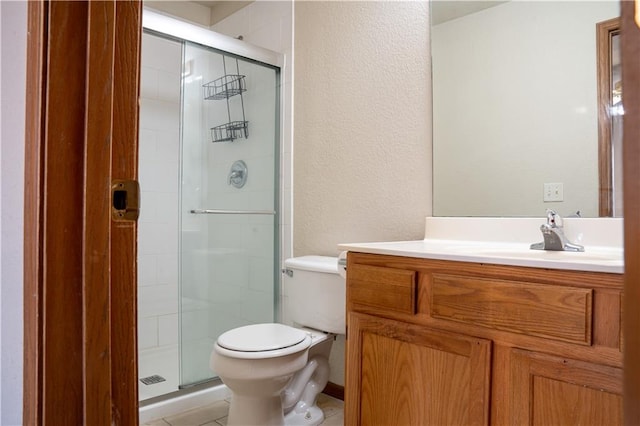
{"x": 554, "y": 219}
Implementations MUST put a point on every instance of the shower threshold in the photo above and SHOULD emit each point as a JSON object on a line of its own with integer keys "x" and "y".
{"x": 182, "y": 400}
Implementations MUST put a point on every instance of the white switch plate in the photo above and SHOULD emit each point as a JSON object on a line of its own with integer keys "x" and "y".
{"x": 553, "y": 192}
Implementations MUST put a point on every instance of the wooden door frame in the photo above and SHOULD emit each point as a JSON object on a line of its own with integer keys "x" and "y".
{"x": 80, "y": 357}
{"x": 630, "y": 43}
{"x": 604, "y": 32}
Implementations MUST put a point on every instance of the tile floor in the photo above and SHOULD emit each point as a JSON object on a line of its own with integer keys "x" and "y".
{"x": 215, "y": 414}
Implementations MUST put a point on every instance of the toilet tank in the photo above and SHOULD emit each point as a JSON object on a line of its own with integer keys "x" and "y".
{"x": 315, "y": 294}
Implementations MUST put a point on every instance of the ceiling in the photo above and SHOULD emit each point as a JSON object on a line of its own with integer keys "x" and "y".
{"x": 222, "y": 9}
{"x": 446, "y": 10}
{"x": 441, "y": 10}
{"x": 192, "y": 10}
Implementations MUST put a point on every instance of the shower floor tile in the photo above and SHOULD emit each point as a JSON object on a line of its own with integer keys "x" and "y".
{"x": 215, "y": 414}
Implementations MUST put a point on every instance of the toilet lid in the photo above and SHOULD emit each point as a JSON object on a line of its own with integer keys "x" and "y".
{"x": 261, "y": 337}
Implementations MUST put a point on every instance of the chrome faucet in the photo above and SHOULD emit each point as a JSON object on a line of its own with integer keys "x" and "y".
{"x": 238, "y": 174}
{"x": 553, "y": 234}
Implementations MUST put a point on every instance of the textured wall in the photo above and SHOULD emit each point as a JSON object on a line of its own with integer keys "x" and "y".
{"x": 362, "y": 123}
{"x": 13, "y": 18}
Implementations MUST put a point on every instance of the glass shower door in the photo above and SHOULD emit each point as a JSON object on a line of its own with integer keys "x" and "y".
{"x": 229, "y": 217}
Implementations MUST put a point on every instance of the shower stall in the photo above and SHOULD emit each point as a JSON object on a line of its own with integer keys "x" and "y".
{"x": 208, "y": 249}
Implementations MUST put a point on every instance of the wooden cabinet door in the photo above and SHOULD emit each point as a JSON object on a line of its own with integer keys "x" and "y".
{"x": 406, "y": 374}
{"x": 549, "y": 390}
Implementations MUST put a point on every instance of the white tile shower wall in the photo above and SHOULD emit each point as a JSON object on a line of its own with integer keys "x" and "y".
{"x": 158, "y": 223}
{"x": 236, "y": 244}
{"x": 270, "y": 25}
{"x": 197, "y": 254}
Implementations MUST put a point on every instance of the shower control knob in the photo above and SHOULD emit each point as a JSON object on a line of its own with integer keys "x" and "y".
{"x": 238, "y": 174}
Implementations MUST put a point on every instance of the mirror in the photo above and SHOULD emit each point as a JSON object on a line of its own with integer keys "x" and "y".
{"x": 515, "y": 107}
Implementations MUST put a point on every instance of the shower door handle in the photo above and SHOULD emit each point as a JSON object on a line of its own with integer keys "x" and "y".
{"x": 220, "y": 211}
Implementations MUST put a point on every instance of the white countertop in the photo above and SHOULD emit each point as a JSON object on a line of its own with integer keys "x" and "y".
{"x": 593, "y": 259}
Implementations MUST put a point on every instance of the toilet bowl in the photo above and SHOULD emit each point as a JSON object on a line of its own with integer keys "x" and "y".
{"x": 275, "y": 371}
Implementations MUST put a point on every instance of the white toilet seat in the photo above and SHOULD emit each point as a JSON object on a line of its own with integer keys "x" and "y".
{"x": 259, "y": 341}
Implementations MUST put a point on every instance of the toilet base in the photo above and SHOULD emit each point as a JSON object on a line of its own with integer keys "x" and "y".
{"x": 311, "y": 416}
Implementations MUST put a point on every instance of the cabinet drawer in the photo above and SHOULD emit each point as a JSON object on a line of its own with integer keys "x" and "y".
{"x": 555, "y": 312}
{"x": 384, "y": 288}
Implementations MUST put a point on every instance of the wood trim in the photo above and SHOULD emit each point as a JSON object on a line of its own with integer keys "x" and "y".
{"x": 64, "y": 147}
{"x": 126, "y": 86}
{"x": 604, "y": 32}
{"x": 334, "y": 390}
{"x": 33, "y": 232}
{"x": 96, "y": 233}
{"x": 76, "y": 368}
{"x": 630, "y": 41}
{"x": 354, "y": 371}
{"x": 500, "y": 384}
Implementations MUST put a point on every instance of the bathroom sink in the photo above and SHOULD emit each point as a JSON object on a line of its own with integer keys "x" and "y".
{"x": 519, "y": 251}
{"x": 555, "y": 255}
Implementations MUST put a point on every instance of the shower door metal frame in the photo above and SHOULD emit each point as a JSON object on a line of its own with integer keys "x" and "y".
{"x": 184, "y": 31}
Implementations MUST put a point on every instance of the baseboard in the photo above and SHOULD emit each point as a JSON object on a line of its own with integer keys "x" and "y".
{"x": 336, "y": 391}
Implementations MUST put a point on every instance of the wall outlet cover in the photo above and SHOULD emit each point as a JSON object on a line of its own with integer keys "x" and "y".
{"x": 553, "y": 192}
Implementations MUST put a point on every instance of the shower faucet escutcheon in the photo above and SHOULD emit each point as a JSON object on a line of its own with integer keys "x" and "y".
{"x": 238, "y": 174}
{"x": 553, "y": 234}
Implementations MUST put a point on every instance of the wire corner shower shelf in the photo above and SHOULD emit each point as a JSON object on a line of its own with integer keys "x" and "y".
{"x": 223, "y": 88}
{"x": 230, "y": 131}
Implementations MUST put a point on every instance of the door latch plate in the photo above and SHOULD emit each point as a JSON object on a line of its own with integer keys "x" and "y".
{"x": 125, "y": 200}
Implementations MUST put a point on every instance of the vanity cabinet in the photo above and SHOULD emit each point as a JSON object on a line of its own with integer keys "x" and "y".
{"x": 433, "y": 342}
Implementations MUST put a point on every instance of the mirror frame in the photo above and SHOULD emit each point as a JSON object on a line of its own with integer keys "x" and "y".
{"x": 605, "y": 31}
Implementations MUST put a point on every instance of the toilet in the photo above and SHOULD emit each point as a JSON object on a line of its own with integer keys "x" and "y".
{"x": 275, "y": 371}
